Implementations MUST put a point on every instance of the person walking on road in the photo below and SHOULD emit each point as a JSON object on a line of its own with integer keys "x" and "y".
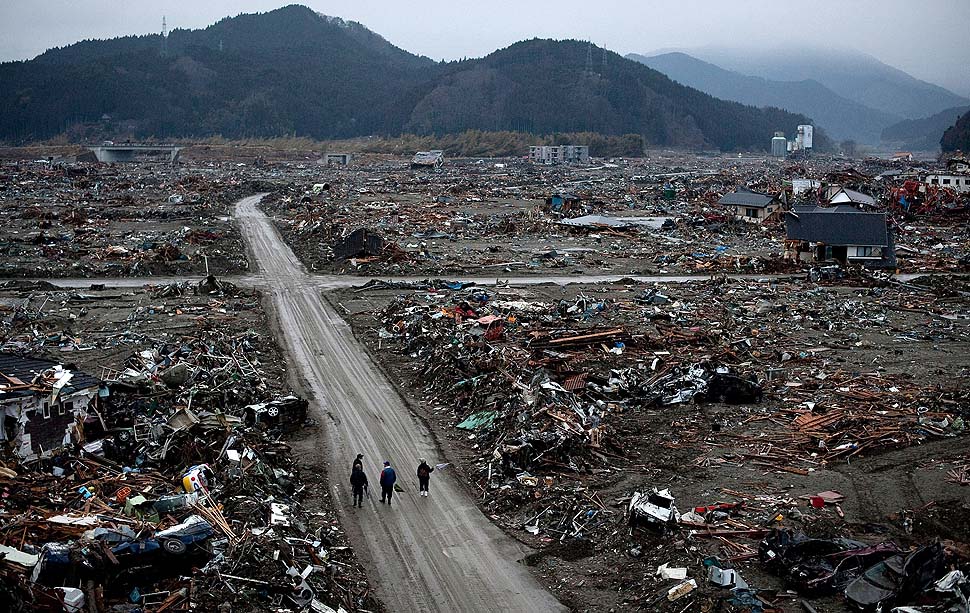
{"x": 424, "y": 476}
{"x": 388, "y": 477}
{"x": 358, "y": 483}
{"x": 358, "y": 463}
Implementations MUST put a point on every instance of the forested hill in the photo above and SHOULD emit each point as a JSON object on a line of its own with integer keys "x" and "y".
{"x": 293, "y": 71}
{"x": 284, "y": 72}
{"x": 957, "y": 136}
{"x": 545, "y": 86}
{"x": 922, "y": 134}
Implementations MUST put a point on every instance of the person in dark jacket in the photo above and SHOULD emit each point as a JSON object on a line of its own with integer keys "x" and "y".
{"x": 358, "y": 462}
{"x": 424, "y": 476}
{"x": 388, "y": 477}
{"x": 358, "y": 483}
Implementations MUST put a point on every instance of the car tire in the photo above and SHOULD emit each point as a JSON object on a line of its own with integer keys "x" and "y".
{"x": 173, "y": 546}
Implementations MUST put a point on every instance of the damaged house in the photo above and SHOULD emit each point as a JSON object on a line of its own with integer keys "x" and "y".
{"x": 841, "y": 195}
{"x": 840, "y": 234}
{"x": 359, "y": 243}
{"x": 41, "y": 401}
{"x": 751, "y": 206}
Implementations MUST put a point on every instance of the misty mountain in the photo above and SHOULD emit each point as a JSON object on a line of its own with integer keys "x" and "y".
{"x": 841, "y": 117}
{"x": 544, "y": 86}
{"x": 293, "y": 71}
{"x": 922, "y": 134}
{"x": 850, "y": 74}
{"x": 957, "y": 136}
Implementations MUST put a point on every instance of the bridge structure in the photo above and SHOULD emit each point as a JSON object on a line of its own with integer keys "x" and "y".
{"x": 133, "y": 152}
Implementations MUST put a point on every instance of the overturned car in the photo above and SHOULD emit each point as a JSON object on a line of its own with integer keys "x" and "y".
{"x": 287, "y": 413}
{"x": 705, "y": 382}
{"x": 130, "y": 556}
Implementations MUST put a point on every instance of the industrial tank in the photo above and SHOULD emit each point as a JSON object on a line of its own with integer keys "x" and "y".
{"x": 779, "y": 146}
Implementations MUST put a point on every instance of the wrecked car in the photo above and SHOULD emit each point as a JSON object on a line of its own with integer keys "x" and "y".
{"x": 896, "y": 579}
{"x": 783, "y": 548}
{"x": 654, "y": 509}
{"x": 289, "y": 412}
{"x": 61, "y": 563}
{"x": 831, "y": 573}
{"x": 707, "y": 383}
{"x": 729, "y": 388}
{"x": 190, "y": 534}
{"x": 818, "y": 565}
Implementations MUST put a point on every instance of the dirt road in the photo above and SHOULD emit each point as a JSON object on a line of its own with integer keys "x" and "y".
{"x": 424, "y": 554}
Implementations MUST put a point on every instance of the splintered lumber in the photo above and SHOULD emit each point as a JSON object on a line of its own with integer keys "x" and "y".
{"x": 585, "y": 339}
{"x": 215, "y": 517}
{"x": 706, "y": 531}
{"x": 810, "y": 421}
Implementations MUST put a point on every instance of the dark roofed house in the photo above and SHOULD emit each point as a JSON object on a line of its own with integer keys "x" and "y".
{"x": 40, "y": 401}
{"x": 752, "y": 206}
{"x": 841, "y": 234}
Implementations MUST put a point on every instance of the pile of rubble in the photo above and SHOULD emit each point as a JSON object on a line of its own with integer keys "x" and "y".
{"x": 821, "y": 571}
{"x": 165, "y": 483}
{"x": 573, "y": 409}
{"x": 547, "y": 377}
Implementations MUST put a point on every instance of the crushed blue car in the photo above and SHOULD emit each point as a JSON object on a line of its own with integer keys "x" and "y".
{"x": 175, "y": 540}
{"x": 61, "y": 563}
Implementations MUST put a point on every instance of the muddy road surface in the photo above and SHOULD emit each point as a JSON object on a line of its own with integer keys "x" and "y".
{"x": 426, "y": 554}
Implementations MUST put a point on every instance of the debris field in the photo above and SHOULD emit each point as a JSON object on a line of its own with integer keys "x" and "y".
{"x": 757, "y": 405}
{"x": 708, "y": 410}
{"x": 657, "y": 215}
{"x": 178, "y": 488}
{"x": 92, "y": 220}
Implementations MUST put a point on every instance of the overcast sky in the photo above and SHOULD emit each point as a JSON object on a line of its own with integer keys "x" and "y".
{"x": 928, "y": 39}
